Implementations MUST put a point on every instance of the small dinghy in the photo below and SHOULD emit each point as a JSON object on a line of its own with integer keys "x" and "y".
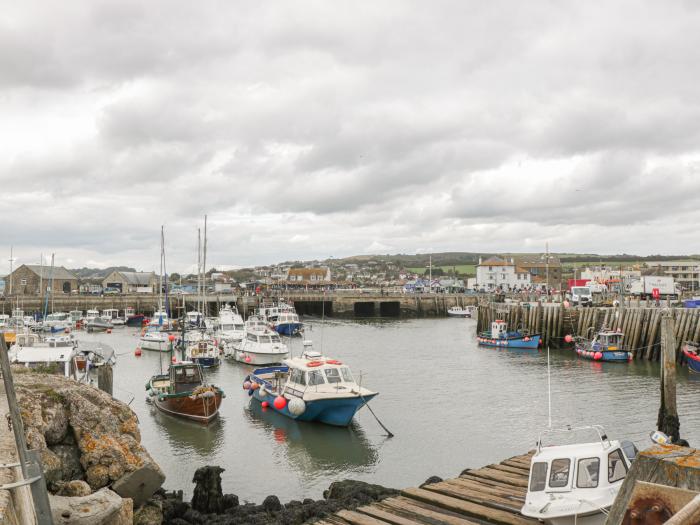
{"x": 605, "y": 346}
{"x": 500, "y": 337}
{"x": 691, "y": 354}
{"x": 182, "y": 392}
{"x": 576, "y": 483}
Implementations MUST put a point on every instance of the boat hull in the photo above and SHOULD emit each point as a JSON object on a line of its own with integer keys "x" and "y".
{"x": 288, "y": 328}
{"x": 693, "y": 361}
{"x": 207, "y": 362}
{"x": 459, "y": 314}
{"x": 337, "y": 411}
{"x": 201, "y": 409}
{"x": 256, "y": 358}
{"x": 531, "y": 342}
{"x": 135, "y": 320}
{"x": 154, "y": 345}
{"x": 609, "y": 356}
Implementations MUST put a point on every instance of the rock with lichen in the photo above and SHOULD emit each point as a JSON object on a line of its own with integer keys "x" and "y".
{"x": 84, "y": 434}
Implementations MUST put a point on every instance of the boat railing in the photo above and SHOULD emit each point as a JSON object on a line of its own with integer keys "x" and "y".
{"x": 598, "y": 429}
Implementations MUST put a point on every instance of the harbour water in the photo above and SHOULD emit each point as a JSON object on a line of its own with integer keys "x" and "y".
{"x": 450, "y": 404}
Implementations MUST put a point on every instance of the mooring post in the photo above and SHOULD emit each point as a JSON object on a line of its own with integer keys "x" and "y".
{"x": 668, "y": 421}
{"x": 105, "y": 376}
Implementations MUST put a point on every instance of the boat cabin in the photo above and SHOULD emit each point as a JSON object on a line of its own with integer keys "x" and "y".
{"x": 4, "y": 320}
{"x": 312, "y": 369}
{"x": 263, "y": 338}
{"x": 194, "y": 318}
{"x": 499, "y": 329}
{"x": 185, "y": 377}
{"x": 576, "y": 478}
{"x": 54, "y": 355}
{"x": 287, "y": 317}
{"x": 18, "y": 313}
{"x": 110, "y": 313}
{"x": 160, "y": 318}
{"x": 75, "y": 315}
{"x": 129, "y": 311}
{"x": 608, "y": 340}
{"x": 92, "y": 314}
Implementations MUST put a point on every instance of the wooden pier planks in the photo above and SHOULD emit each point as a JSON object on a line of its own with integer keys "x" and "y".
{"x": 491, "y": 494}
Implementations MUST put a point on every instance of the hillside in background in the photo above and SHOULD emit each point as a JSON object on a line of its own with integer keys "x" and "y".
{"x": 99, "y": 273}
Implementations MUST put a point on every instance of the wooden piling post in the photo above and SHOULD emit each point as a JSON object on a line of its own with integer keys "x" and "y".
{"x": 668, "y": 421}
{"x": 105, "y": 376}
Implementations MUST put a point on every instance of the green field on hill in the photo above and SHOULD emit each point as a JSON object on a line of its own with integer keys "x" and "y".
{"x": 461, "y": 269}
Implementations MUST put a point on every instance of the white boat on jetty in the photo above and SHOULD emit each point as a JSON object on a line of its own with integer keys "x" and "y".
{"x": 461, "y": 311}
{"x": 576, "y": 483}
{"x": 259, "y": 347}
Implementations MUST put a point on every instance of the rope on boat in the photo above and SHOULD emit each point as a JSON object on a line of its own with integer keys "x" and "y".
{"x": 388, "y": 432}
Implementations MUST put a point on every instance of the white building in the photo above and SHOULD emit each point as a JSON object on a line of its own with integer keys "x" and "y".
{"x": 685, "y": 273}
{"x": 495, "y": 272}
{"x": 604, "y": 273}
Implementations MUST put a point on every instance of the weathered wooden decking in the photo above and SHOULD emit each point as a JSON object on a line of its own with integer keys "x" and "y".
{"x": 491, "y": 494}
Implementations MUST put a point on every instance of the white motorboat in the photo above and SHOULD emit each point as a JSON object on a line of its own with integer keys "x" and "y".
{"x": 194, "y": 318}
{"x": 59, "y": 354}
{"x": 4, "y": 321}
{"x": 112, "y": 316}
{"x": 576, "y": 483}
{"x": 461, "y": 311}
{"x": 259, "y": 347}
{"x": 230, "y": 326}
{"x": 91, "y": 315}
{"x": 57, "y": 322}
{"x": 75, "y": 317}
{"x": 160, "y": 319}
{"x": 152, "y": 338}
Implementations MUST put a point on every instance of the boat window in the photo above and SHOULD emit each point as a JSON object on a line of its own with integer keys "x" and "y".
{"x": 275, "y": 338}
{"x": 333, "y": 375}
{"x": 264, "y": 338}
{"x": 630, "y": 450}
{"x": 252, "y": 337}
{"x": 347, "y": 376}
{"x": 538, "y": 477}
{"x": 226, "y": 327}
{"x": 616, "y": 466}
{"x": 238, "y": 327}
{"x": 559, "y": 474}
{"x": 587, "y": 474}
{"x": 316, "y": 378}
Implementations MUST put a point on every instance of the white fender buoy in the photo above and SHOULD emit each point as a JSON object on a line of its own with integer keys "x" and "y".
{"x": 296, "y": 406}
{"x": 262, "y": 392}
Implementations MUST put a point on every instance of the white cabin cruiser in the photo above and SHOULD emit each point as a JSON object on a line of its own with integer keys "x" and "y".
{"x": 152, "y": 338}
{"x": 230, "y": 326}
{"x": 577, "y": 483}
{"x": 57, "y": 322}
{"x": 461, "y": 311}
{"x": 91, "y": 315}
{"x": 111, "y": 315}
{"x": 259, "y": 347}
{"x": 160, "y": 319}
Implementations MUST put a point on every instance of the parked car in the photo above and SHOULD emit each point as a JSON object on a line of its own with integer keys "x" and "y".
{"x": 111, "y": 291}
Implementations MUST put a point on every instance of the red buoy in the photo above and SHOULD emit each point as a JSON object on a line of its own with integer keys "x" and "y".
{"x": 137, "y": 352}
{"x": 265, "y": 404}
{"x": 171, "y": 338}
{"x": 280, "y": 402}
{"x": 597, "y": 356}
{"x": 568, "y": 338}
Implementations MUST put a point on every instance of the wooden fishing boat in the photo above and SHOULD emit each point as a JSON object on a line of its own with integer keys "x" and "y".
{"x": 691, "y": 354}
{"x": 500, "y": 337}
{"x": 182, "y": 392}
{"x": 605, "y": 346}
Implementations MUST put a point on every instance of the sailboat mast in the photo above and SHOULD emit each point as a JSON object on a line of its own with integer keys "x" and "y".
{"x": 204, "y": 270}
{"x": 199, "y": 270}
{"x": 165, "y": 271}
{"x": 160, "y": 278}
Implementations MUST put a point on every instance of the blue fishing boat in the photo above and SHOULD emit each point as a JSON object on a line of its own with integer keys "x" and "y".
{"x": 309, "y": 388}
{"x": 203, "y": 352}
{"x": 500, "y": 337}
{"x": 605, "y": 346}
{"x": 691, "y": 354}
{"x": 287, "y": 323}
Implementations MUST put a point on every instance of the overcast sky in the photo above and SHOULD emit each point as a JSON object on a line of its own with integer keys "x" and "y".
{"x": 330, "y": 128}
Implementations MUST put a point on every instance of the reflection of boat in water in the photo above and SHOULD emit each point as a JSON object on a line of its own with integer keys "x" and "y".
{"x": 316, "y": 447}
{"x": 187, "y": 437}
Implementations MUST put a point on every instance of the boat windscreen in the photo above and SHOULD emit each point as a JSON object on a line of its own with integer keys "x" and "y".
{"x": 538, "y": 476}
{"x": 315, "y": 378}
{"x": 587, "y": 473}
{"x": 347, "y": 376}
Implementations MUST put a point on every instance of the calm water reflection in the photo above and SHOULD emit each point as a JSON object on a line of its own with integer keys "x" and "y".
{"x": 450, "y": 404}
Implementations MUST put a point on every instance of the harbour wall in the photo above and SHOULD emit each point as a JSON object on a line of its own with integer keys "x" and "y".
{"x": 640, "y": 324}
{"x": 355, "y": 304}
